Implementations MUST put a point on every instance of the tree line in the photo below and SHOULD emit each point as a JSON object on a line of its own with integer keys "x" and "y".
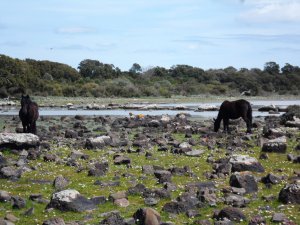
{"x": 94, "y": 78}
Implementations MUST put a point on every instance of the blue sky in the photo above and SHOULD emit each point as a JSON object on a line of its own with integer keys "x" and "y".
{"x": 206, "y": 34}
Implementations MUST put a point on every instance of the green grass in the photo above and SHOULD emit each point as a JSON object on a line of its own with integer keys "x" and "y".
{"x": 85, "y": 184}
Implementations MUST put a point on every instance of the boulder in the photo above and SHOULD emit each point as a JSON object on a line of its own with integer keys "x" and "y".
{"x": 5, "y": 222}
{"x": 113, "y": 218}
{"x": 194, "y": 153}
{"x": 18, "y": 141}
{"x": 177, "y": 207}
{"x": 271, "y": 179}
{"x": 163, "y": 175}
{"x": 121, "y": 159}
{"x": 278, "y": 217}
{"x": 99, "y": 169}
{"x": 232, "y": 214}
{"x": 4, "y": 196}
{"x": 244, "y": 180}
{"x": 207, "y": 107}
{"x": 245, "y": 163}
{"x": 70, "y": 200}
{"x": 18, "y": 202}
{"x": 118, "y": 195}
{"x": 60, "y": 183}
{"x": 278, "y": 145}
{"x": 98, "y": 142}
{"x": 165, "y": 119}
{"x": 268, "y": 108}
{"x": 208, "y": 196}
{"x": 3, "y": 161}
{"x": 290, "y": 194}
{"x": 236, "y": 200}
{"x": 257, "y": 220}
{"x": 10, "y": 172}
{"x": 295, "y": 123}
{"x": 71, "y": 134}
{"x": 54, "y": 221}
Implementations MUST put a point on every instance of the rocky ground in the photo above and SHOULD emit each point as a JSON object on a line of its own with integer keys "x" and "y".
{"x": 149, "y": 170}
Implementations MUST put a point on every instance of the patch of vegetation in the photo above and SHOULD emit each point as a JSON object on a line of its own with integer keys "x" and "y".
{"x": 96, "y": 79}
{"x": 80, "y": 181}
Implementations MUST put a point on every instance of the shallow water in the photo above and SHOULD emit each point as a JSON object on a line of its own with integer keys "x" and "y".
{"x": 122, "y": 112}
{"x": 125, "y": 112}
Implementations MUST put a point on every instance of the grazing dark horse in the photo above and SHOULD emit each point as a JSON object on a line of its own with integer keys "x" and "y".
{"x": 28, "y": 114}
{"x": 234, "y": 110}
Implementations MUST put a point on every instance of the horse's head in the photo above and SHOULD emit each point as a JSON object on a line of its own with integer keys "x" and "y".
{"x": 216, "y": 125}
{"x": 25, "y": 100}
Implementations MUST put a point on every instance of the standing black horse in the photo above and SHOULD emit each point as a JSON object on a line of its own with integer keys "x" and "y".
{"x": 234, "y": 110}
{"x": 28, "y": 114}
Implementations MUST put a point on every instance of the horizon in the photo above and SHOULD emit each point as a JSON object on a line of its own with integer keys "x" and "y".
{"x": 204, "y": 34}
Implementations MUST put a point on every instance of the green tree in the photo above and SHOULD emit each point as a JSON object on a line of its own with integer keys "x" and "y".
{"x": 136, "y": 68}
{"x": 272, "y": 68}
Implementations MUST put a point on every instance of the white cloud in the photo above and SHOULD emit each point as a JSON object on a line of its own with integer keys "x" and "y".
{"x": 272, "y": 11}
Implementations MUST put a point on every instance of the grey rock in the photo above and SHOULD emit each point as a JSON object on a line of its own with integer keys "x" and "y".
{"x": 118, "y": 195}
{"x": 54, "y": 221}
{"x": 10, "y": 172}
{"x": 137, "y": 189}
{"x": 244, "y": 180}
{"x": 278, "y": 217}
{"x": 194, "y": 153}
{"x": 277, "y": 145}
{"x": 245, "y": 163}
{"x": 4, "y": 196}
{"x": 271, "y": 179}
{"x": 18, "y": 202}
{"x": 71, "y": 134}
{"x": 60, "y": 183}
{"x": 257, "y": 220}
{"x": 5, "y": 222}
{"x": 163, "y": 175}
{"x": 121, "y": 159}
{"x": 151, "y": 201}
{"x": 19, "y": 141}
{"x": 113, "y": 218}
{"x": 290, "y": 194}
{"x": 236, "y": 201}
{"x": 98, "y": 142}
{"x": 70, "y": 200}
{"x": 232, "y": 214}
{"x": 99, "y": 169}
{"x": 147, "y": 169}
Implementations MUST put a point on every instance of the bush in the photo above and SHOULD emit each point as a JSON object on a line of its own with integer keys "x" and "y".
{"x": 3, "y": 92}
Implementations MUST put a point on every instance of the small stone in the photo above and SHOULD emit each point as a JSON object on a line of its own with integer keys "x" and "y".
{"x": 11, "y": 218}
{"x": 278, "y": 217}
{"x": 122, "y": 202}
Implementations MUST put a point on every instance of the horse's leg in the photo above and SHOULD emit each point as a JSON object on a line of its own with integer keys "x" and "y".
{"x": 248, "y": 123}
{"x": 24, "y": 127}
{"x": 33, "y": 128}
{"x": 226, "y": 124}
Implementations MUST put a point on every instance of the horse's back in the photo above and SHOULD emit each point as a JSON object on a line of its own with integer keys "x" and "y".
{"x": 234, "y": 109}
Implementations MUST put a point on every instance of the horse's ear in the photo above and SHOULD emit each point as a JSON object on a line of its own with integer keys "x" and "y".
{"x": 214, "y": 119}
{"x": 27, "y": 96}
